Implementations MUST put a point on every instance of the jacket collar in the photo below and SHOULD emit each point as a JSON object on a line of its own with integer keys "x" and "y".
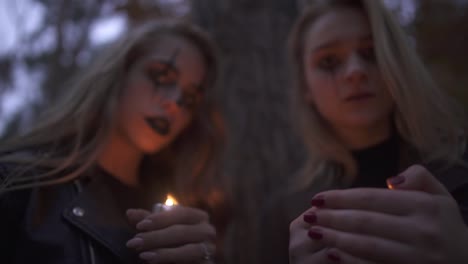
{"x": 94, "y": 212}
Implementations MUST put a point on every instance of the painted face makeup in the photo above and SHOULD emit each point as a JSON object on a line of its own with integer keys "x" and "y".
{"x": 343, "y": 80}
{"x": 159, "y": 124}
{"x": 165, "y": 78}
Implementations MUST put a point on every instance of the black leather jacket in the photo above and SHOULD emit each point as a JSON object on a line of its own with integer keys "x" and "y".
{"x": 72, "y": 223}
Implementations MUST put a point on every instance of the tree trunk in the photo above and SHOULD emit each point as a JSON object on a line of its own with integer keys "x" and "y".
{"x": 262, "y": 151}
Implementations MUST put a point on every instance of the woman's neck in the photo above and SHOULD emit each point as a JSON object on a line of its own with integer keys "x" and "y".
{"x": 121, "y": 160}
{"x": 363, "y": 137}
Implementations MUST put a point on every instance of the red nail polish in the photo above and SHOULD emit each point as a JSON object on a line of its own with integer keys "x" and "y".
{"x": 318, "y": 201}
{"x": 334, "y": 257}
{"x": 315, "y": 234}
{"x": 310, "y": 218}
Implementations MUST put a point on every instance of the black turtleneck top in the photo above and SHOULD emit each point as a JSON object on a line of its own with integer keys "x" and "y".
{"x": 377, "y": 163}
{"x": 127, "y": 197}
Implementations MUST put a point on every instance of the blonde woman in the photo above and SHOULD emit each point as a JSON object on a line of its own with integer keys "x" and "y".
{"x": 137, "y": 124}
{"x": 384, "y": 171}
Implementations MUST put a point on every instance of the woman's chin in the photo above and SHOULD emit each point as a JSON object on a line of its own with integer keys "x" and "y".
{"x": 154, "y": 148}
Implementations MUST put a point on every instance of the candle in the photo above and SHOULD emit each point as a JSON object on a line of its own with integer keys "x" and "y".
{"x": 168, "y": 205}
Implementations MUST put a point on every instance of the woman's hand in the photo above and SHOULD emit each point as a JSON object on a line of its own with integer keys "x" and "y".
{"x": 303, "y": 249}
{"x": 306, "y": 248}
{"x": 416, "y": 222}
{"x": 182, "y": 234}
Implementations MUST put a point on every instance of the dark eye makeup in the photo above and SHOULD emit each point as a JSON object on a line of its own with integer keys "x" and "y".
{"x": 328, "y": 63}
{"x": 162, "y": 74}
{"x": 165, "y": 77}
{"x": 368, "y": 54}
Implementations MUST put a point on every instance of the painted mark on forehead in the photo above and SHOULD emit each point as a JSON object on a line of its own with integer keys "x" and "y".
{"x": 173, "y": 58}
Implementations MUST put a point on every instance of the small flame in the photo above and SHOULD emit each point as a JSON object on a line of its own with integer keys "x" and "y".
{"x": 170, "y": 200}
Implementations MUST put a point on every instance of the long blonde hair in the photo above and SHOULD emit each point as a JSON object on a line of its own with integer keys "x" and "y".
{"x": 70, "y": 136}
{"x": 424, "y": 116}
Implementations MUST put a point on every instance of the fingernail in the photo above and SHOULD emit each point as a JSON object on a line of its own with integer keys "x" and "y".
{"x": 318, "y": 201}
{"x": 333, "y": 257}
{"x": 130, "y": 211}
{"x": 135, "y": 243}
{"x": 397, "y": 180}
{"x": 315, "y": 234}
{"x": 147, "y": 255}
{"x": 310, "y": 218}
{"x": 145, "y": 224}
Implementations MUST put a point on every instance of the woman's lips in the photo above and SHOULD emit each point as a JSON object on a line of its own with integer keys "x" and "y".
{"x": 359, "y": 97}
{"x": 160, "y": 125}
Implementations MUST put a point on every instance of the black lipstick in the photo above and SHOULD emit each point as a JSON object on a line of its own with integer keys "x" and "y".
{"x": 160, "y": 125}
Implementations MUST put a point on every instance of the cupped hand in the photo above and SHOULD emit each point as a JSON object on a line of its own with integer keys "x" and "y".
{"x": 417, "y": 221}
{"x": 306, "y": 248}
{"x": 302, "y": 249}
{"x": 180, "y": 235}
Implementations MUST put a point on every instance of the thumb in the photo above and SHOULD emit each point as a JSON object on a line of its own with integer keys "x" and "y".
{"x": 417, "y": 178}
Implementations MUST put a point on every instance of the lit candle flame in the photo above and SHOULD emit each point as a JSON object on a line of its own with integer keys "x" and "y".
{"x": 170, "y": 200}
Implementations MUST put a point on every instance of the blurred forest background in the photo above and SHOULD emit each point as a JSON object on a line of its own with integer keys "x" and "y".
{"x": 43, "y": 42}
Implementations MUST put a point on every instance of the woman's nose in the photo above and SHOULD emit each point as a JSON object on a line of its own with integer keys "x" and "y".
{"x": 355, "y": 69}
{"x": 171, "y": 99}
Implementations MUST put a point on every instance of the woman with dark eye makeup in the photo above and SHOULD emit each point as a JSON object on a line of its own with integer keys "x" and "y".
{"x": 385, "y": 179}
{"x": 136, "y": 125}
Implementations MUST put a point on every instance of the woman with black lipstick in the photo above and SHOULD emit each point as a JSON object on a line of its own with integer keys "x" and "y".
{"x": 137, "y": 124}
{"x": 371, "y": 118}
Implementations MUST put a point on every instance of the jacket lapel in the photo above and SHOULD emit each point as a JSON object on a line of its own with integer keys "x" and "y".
{"x": 95, "y": 213}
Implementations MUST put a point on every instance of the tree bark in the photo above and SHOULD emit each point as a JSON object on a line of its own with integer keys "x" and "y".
{"x": 262, "y": 150}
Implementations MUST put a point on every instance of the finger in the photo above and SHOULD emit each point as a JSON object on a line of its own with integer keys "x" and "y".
{"x": 310, "y": 257}
{"x": 173, "y": 236}
{"x": 135, "y": 216}
{"x": 337, "y": 256}
{"x": 303, "y": 221}
{"x": 417, "y": 178}
{"x": 189, "y": 253}
{"x": 178, "y": 215}
{"x": 395, "y": 202}
{"x": 327, "y": 256}
{"x": 299, "y": 242}
{"x": 365, "y": 247}
{"x": 365, "y": 223}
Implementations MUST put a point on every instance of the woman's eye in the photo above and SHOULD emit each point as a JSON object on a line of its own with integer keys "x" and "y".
{"x": 328, "y": 63}
{"x": 368, "y": 54}
{"x": 164, "y": 77}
